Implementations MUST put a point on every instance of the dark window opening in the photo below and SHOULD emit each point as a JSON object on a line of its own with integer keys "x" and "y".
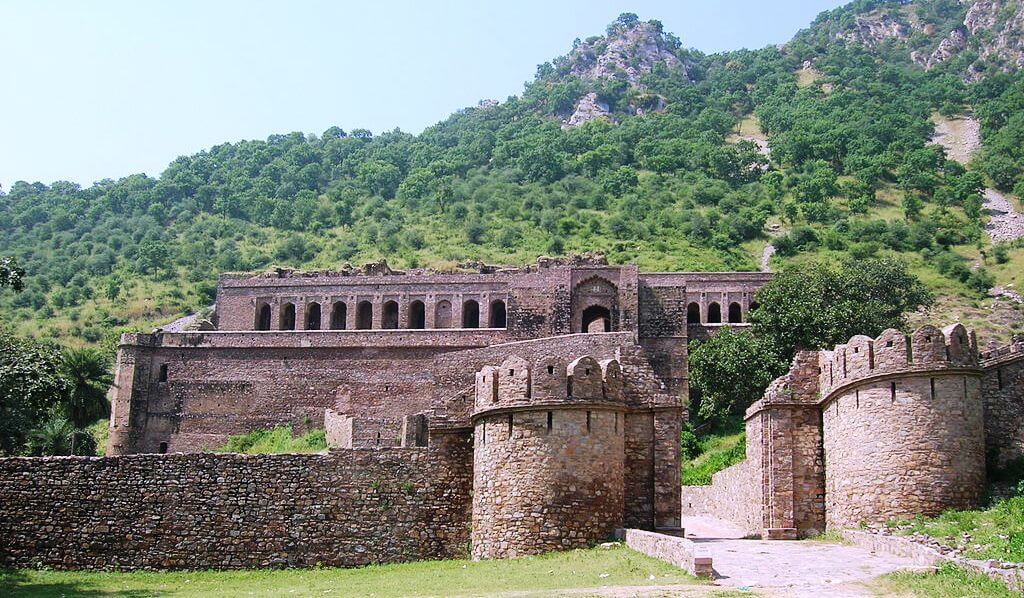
{"x": 389, "y": 318}
{"x": 364, "y": 315}
{"x": 313, "y": 316}
{"x": 693, "y": 313}
{"x": 551, "y": 370}
{"x": 714, "y": 314}
{"x": 510, "y": 426}
{"x": 498, "y": 317}
{"x": 163, "y": 373}
{"x": 163, "y": 448}
{"x": 417, "y": 315}
{"x": 263, "y": 317}
{"x": 551, "y": 420}
{"x": 588, "y": 422}
{"x": 288, "y": 316}
{"x": 597, "y": 318}
{"x": 753, "y": 306}
{"x": 735, "y": 313}
{"x": 471, "y": 314}
{"x": 932, "y": 381}
{"x": 999, "y": 378}
{"x": 892, "y": 392}
{"x": 339, "y": 316}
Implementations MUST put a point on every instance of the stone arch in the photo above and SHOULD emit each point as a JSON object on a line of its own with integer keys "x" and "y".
{"x": 263, "y": 316}
{"x": 389, "y": 315}
{"x": 443, "y": 314}
{"x": 470, "y": 314}
{"x": 417, "y": 315}
{"x": 339, "y": 316}
{"x": 589, "y": 294}
{"x": 313, "y": 316}
{"x": 596, "y": 318}
{"x": 735, "y": 313}
{"x": 693, "y": 313}
{"x": 287, "y": 316}
{"x": 714, "y": 313}
{"x": 364, "y": 315}
{"x": 498, "y": 317}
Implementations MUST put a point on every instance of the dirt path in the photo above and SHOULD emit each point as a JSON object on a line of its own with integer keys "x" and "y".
{"x": 789, "y": 568}
{"x": 960, "y": 136}
{"x": 1005, "y": 222}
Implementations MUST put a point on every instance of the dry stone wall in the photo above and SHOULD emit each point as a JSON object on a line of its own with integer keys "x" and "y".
{"x": 1003, "y": 390}
{"x": 222, "y": 511}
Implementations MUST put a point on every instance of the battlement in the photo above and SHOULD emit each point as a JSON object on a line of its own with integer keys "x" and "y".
{"x": 928, "y": 348}
{"x": 1007, "y": 352}
{"x": 550, "y": 380}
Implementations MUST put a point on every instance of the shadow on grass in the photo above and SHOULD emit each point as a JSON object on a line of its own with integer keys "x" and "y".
{"x": 19, "y": 583}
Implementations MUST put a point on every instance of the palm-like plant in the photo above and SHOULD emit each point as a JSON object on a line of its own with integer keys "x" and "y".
{"x": 58, "y": 436}
{"x": 89, "y": 373}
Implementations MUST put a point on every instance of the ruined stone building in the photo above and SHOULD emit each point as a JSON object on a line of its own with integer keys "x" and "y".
{"x": 494, "y": 413}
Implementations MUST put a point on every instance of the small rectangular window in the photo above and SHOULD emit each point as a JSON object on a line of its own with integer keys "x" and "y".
{"x": 510, "y": 426}
{"x": 616, "y": 423}
{"x": 999, "y": 378}
{"x": 163, "y": 448}
{"x": 588, "y": 422}
{"x": 163, "y": 372}
{"x": 932, "y": 381}
{"x": 551, "y": 420}
{"x": 483, "y": 434}
{"x": 892, "y": 392}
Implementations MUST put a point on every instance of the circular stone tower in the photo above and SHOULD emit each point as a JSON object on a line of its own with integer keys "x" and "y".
{"x": 549, "y": 456}
{"x": 903, "y": 427}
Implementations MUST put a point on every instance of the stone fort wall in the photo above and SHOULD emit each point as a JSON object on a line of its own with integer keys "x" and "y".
{"x": 562, "y": 428}
{"x": 198, "y": 511}
{"x": 894, "y": 426}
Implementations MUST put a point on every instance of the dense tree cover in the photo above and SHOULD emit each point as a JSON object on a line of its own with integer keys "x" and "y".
{"x": 669, "y": 189}
{"x": 31, "y": 387}
{"x": 814, "y": 306}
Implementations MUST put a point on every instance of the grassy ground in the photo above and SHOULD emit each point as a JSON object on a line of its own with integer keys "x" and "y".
{"x": 949, "y": 582}
{"x": 715, "y": 451}
{"x": 993, "y": 533}
{"x": 275, "y": 441}
{"x": 575, "y": 569}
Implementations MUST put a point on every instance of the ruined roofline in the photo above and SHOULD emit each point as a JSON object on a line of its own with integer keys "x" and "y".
{"x": 1010, "y": 352}
{"x": 381, "y": 268}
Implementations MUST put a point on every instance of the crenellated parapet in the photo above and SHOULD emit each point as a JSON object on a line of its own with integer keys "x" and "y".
{"x": 927, "y": 349}
{"x": 548, "y": 381}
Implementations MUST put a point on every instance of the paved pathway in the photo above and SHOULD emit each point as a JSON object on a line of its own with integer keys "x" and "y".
{"x": 789, "y": 568}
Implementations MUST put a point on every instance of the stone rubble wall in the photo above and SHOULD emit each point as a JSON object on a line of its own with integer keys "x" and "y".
{"x": 225, "y": 511}
{"x": 681, "y": 552}
{"x": 734, "y": 495}
{"x": 1003, "y": 390}
{"x": 903, "y": 426}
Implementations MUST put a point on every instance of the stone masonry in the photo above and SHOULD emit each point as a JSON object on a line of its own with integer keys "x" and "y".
{"x": 875, "y": 429}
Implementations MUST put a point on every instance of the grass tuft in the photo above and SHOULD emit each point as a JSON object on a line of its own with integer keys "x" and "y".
{"x": 276, "y": 441}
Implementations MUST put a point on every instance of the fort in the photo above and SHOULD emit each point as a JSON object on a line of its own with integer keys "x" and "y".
{"x": 494, "y": 412}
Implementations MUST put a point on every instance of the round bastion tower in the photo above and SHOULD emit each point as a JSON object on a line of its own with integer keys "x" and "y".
{"x": 549, "y": 456}
{"x": 903, "y": 425}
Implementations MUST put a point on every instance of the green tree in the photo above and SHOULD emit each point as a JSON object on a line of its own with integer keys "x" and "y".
{"x": 57, "y": 435}
{"x": 820, "y": 304}
{"x": 11, "y": 275}
{"x": 31, "y": 385}
{"x": 730, "y": 371}
{"x": 89, "y": 374}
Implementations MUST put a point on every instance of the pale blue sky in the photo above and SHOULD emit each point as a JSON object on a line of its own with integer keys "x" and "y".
{"x": 99, "y": 89}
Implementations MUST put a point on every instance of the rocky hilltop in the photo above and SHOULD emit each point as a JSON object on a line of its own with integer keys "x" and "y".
{"x": 977, "y": 36}
{"x": 616, "y": 63}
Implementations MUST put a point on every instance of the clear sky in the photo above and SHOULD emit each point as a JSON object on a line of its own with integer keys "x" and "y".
{"x": 90, "y": 90}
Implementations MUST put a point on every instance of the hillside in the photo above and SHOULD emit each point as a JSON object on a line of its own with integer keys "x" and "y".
{"x": 629, "y": 144}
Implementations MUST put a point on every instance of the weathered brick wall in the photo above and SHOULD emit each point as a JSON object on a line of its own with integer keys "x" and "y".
{"x": 198, "y": 511}
{"x": 1002, "y": 386}
{"x": 218, "y": 384}
{"x": 904, "y": 431}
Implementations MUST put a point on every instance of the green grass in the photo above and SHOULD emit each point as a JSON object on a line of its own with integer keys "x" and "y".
{"x": 275, "y": 441}
{"x": 949, "y": 582}
{"x": 715, "y": 452}
{"x": 995, "y": 533}
{"x": 574, "y": 569}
